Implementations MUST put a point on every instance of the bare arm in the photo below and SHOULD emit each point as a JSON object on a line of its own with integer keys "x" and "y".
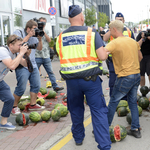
{"x": 40, "y": 45}
{"x": 101, "y": 53}
{"x": 140, "y": 55}
{"x": 106, "y": 36}
{"x": 47, "y": 37}
{"x": 23, "y": 62}
{"x": 13, "y": 64}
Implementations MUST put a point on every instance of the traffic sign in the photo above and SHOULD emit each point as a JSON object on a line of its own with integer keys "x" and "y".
{"x": 52, "y": 11}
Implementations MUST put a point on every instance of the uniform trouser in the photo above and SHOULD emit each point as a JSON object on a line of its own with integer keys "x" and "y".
{"x": 6, "y": 97}
{"x": 76, "y": 89}
{"x": 112, "y": 79}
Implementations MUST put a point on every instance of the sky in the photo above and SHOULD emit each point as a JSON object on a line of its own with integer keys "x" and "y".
{"x": 133, "y": 10}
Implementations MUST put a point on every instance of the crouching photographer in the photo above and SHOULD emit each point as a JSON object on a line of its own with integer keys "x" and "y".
{"x": 31, "y": 73}
{"x": 144, "y": 40}
{"x": 9, "y": 61}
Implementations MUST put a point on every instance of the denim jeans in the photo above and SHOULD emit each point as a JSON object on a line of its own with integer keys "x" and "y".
{"x": 46, "y": 62}
{"x": 6, "y": 97}
{"x": 127, "y": 85}
{"x": 22, "y": 76}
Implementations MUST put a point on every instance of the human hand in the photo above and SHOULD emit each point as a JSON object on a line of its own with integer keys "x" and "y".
{"x": 23, "y": 49}
{"x": 39, "y": 38}
{"x": 28, "y": 52}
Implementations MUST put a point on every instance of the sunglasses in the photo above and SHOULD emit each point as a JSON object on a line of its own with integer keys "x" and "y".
{"x": 17, "y": 38}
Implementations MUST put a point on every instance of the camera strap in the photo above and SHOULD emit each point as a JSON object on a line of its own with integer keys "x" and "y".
{"x": 26, "y": 57}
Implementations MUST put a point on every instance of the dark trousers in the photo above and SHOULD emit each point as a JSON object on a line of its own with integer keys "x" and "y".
{"x": 76, "y": 89}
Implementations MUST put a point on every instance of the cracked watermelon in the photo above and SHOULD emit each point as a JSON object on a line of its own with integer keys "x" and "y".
{"x": 117, "y": 133}
{"x": 40, "y": 101}
{"x": 51, "y": 94}
{"x": 22, "y": 119}
{"x": 43, "y": 91}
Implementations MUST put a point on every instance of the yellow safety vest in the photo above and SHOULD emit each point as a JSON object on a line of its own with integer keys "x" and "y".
{"x": 77, "y": 53}
{"x": 125, "y": 33}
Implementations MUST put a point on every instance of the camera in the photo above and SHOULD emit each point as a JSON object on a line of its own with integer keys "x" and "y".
{"x": 32, "y": 46}
{"x": 39, "y": 31}
{"x": 146, "y": 34}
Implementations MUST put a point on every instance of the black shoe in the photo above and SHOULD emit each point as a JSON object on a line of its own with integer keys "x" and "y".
{"x": 58, "y": 89}
{"x": 78, "y": 144}
{"x": 93, "y": 131}
{"x": 136, "y": 134}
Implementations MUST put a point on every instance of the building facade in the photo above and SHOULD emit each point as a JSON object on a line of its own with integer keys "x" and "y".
{"x": 15, "y": 13}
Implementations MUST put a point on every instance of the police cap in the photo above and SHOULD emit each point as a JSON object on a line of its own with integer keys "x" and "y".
{"x": 119, "y": 15}
{"x": 74, "y": 10}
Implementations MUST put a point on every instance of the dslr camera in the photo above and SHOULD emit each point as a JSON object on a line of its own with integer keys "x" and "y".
{"x": 32, "y": 46}
{"x": 39, "y": 31}
{"x": 146, "y": 34}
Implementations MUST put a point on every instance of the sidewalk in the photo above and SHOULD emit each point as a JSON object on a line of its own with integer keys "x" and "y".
{"x": 35, "y": 135}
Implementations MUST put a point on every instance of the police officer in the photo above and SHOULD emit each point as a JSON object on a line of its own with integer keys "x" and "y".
{"x": 80, "y": 48}
{"x": 108, "y": 37}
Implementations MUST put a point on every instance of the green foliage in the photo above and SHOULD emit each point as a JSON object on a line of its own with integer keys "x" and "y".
{"x": 17, "y": 19}
{"x": 90, "y": 16}
{"x": 51, "y": 43}
{"x": 102, "y": 19}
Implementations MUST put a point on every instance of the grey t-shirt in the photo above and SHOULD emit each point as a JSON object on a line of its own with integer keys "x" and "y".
{"x": 44, "y": 53}
{"x": 5, "y": 54}
{"x": 32, "y": 40}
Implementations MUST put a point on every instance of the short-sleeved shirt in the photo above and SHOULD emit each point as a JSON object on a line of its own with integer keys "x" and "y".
{"x": 45, "y": 52}
{"x": 5, "y": 54}
{"x": 32, "y": 40}
{"x": 98, "y": 40}
{"x": 124, "y": 52}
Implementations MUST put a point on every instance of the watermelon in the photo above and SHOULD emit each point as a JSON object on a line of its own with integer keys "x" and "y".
{"x": 139, "y": 110}
{"x": 129, "y": 118}
{"x": 117, "y": 133}
{"x": 51, "y": 94}
{"x": 45, "y": 115}
{"x": 63, "y": 110}
{"x": 39, "y": 95}
{"x": 58, "y": 104}
{"x": 35, "y": 116}
{"x": 23, "y": 98}
{"x": 48, "y": 84}
{"x": 122, "y": 111}
{"x": 144, "y": 90}
{"x": 22, "y": 104}
{"x": 122, "y": 103}
{"x": 143, "y": 102}
{"x": 22, "y": 119}
{"x": 105, "y": 72}
{"x": 55, "y": 114}
{"x": 40, "y": 101}
{"x": 43, "y": 91}
{"x": 138, "y": 97}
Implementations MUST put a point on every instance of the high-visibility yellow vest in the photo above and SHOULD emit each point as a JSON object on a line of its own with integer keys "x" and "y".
{"x": 125, "y": 33}
{"x": 77, "y": 53}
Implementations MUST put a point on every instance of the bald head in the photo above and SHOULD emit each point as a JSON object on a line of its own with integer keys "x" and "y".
{"x": 78, "y": 20}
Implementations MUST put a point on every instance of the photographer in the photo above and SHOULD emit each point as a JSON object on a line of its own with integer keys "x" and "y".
{"x": 43, "y": 57}
{"x": 9, "y": 61}
{"x": 144, "y": 40}
{"x": 30, "y": 35}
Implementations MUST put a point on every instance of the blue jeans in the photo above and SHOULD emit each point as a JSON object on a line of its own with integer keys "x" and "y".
{"x": 22, "y": 76}
{"x": 76, "y": 89}
{"x": 125, "y": 86}
{"x": 6, "y": 97}
{"x": 46, "y": 62}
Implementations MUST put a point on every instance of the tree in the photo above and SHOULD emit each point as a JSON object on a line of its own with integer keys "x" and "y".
{"x": 17, "y": 19}
{"x": 90, "y": 16}
{"x": 102, "y": 19}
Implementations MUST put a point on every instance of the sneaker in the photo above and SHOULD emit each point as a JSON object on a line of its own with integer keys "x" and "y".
{"x": 78, "y": 144}
{"x": 36, "y": 107}
{"x": 136, "y": 134}
{"x": 15, "y": 111}
{"x": 58, "y": 89}
{"x": 8, "y": 126}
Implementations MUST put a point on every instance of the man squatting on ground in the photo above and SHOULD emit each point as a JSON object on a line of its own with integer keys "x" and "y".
{"x": 9, "y": 61}
{"x": 126, "y": 55}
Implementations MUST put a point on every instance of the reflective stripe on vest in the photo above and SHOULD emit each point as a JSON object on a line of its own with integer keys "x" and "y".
{"x": 82, "y": 61}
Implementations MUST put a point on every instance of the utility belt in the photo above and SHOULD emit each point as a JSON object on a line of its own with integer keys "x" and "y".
{"x": 93, "y": 78}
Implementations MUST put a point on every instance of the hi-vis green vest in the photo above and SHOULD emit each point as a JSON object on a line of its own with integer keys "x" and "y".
{"x": 77, "y": 54}
{"x": 125, "y": 33}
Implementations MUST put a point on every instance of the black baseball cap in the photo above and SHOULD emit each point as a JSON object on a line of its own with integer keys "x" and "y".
{"x": 74, "y": 10}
